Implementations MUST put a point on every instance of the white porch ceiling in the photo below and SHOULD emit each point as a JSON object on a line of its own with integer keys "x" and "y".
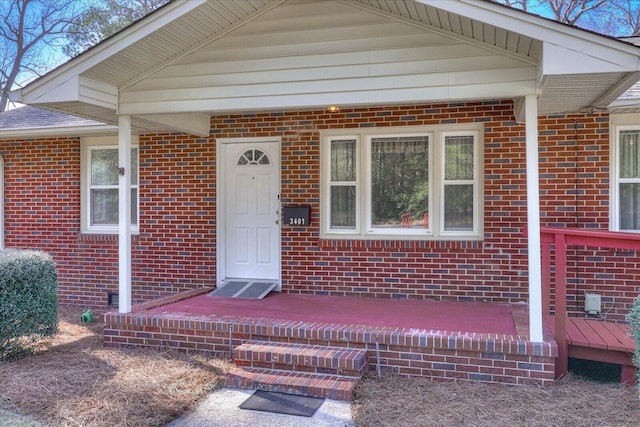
{"x": 246, "y": 55}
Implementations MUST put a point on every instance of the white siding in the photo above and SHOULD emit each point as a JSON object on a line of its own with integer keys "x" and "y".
{"x": 310, "y": 54}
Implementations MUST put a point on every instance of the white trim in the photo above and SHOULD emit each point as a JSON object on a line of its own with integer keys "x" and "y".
{"x": 81, "y": 130}
{"x": 533, "y": 220}
{"x": 615, "y": 180}
{"x": 110, "y": 142}
{"x": 124, "y": 215}
{"x": 363, "y": 230}
{"x": 2, "y": 228}
{"x": 546, "y": 30}
{"x": 476, "y": 181}
{"x": 325, "y": 188}
{"x": 221, "y": 193}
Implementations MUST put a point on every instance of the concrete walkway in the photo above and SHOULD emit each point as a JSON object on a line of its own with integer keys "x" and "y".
{"x": 221, "y": 409}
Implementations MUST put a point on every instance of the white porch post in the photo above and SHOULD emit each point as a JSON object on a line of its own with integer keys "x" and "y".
{"x": 533, "y": 219}
{"x": 124, "y": 214}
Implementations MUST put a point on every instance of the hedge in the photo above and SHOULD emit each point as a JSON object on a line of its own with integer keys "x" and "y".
{"x": 28, "y": 300}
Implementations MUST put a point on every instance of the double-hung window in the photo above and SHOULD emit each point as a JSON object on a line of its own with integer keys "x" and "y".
{"x": 626, "y": 183}
{"x": 100, "y": 176}
{"x": 406, "y": 183}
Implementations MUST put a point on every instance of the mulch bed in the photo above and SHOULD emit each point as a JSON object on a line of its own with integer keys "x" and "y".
{"x": 396, "y": 401}
{"x": 72, "y": 380}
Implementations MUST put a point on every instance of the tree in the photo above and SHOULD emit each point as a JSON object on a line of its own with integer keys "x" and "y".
{"x": 30, "y": 36}
{"x": 105, "y": 19}
{"x": 611, "y": 17}
{"x": 570, "y": 11}
{"x": 629, "y": 16}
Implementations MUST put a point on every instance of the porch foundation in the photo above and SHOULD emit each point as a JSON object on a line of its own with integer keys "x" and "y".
{"x": 459, "y": 355}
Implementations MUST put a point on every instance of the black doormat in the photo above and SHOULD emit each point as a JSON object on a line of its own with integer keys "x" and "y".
{"x": 282, "y": 403}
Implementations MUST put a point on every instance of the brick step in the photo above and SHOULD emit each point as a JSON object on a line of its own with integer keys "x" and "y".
{"x": 301, "y": 358}
{"x": 303, "y": 383}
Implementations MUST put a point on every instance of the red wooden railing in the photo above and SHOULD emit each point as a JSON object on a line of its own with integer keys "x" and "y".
{"x": 561, "y": 238}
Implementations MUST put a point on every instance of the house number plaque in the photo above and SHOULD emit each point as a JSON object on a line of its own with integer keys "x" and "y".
{"x": 297, "y": 215}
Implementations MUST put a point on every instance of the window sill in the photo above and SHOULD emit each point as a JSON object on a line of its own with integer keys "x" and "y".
{"x": 400, "y": 243}
{"x": 402, "y": 237}
{"x": 102, "y": 237}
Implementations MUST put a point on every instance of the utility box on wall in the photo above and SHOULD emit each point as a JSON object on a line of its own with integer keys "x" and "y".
{"x": 592, "y": 303}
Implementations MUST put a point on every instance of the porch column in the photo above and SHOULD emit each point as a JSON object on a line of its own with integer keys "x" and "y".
{"x": 124, "y": 214}
{"x": 533, "y": 219}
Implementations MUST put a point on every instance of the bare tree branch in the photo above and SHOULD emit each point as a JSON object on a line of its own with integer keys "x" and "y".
{"x": 28, "y": 24}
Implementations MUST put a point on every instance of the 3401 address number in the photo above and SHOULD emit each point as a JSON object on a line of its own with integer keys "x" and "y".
{"x": 297, "y": 221}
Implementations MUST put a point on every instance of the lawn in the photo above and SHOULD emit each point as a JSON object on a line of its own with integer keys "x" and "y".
{"x": 73, "y": 380}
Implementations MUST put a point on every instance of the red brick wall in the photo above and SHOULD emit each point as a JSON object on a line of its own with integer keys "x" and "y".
{"x": 177, "y": 243}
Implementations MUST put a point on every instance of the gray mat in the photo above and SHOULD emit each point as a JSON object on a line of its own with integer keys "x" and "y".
{"x": 282, "y": 403}
{"x": 244, "y": 289}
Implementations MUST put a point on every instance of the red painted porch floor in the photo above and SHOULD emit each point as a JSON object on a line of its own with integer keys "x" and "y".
{"x": 450, "y": 316}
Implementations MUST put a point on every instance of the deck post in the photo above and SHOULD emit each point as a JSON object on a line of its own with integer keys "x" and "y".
{"x": 562, "y": 362}
{"x": 124, "y": 214}
{"x": 546, "y": 278}
{"x": 533, "y": 219}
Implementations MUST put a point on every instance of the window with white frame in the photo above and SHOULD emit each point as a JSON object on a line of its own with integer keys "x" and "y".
{"x": 100, "y": 206}
{"x": 626, "y": 188}
{"x": 406, "y": 183}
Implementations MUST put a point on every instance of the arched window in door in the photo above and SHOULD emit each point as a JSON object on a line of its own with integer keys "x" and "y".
{"x": 253, "y": 156}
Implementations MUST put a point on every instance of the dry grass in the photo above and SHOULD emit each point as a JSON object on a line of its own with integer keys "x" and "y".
{"x": 74, "y": 381}
{"x": 396, "y": 401}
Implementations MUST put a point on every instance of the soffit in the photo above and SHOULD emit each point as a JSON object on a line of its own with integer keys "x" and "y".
{"x": 212, "y": 20}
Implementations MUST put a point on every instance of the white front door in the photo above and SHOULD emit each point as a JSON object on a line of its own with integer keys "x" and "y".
{"x": 252, "y": 210}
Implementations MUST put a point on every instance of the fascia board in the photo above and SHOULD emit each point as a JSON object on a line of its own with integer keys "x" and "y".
{"x": 558, "y": 59}
{"x": 57, "y": 131}
{"x": 545, "y": 30}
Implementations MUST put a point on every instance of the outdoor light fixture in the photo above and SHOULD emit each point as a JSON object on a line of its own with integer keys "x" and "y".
{"x": 333, "y": 108}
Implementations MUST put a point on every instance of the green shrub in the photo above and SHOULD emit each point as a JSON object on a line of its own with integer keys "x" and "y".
{"x": 634, "y": 329}
{"x": 28, "y": 300}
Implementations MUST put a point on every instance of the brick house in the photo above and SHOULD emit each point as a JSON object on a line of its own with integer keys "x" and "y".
{"x": 421, "y": 138}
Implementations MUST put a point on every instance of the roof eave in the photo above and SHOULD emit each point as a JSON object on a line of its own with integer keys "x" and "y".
{"x": 107, "y": 48}
{"x": 57, "y": 131}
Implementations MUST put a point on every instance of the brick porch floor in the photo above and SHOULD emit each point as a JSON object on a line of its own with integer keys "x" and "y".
{"x": 437, "y": 339}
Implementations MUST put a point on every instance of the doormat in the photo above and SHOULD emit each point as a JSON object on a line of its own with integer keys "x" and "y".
{"x": 244, "y": 289}
{"x": 282, "y": 403}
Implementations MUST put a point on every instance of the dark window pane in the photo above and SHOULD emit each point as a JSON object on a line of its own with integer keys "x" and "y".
{"x": 343, "y": 160}
{"x": 458, "y": 157}
{"x": 630, "y": 206}
{"x": 343, "y": 207}
{"x": 629, "y": 154}
{"x": 399, "y": 181}
{"x": 458, "y": 209}
{"x": 104, "y": 167}
{"x": 104, "y": 207}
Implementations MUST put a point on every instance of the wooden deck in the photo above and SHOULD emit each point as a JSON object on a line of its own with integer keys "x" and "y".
{"x": 581, "y": 338}
{"x": 600, "y": 341}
